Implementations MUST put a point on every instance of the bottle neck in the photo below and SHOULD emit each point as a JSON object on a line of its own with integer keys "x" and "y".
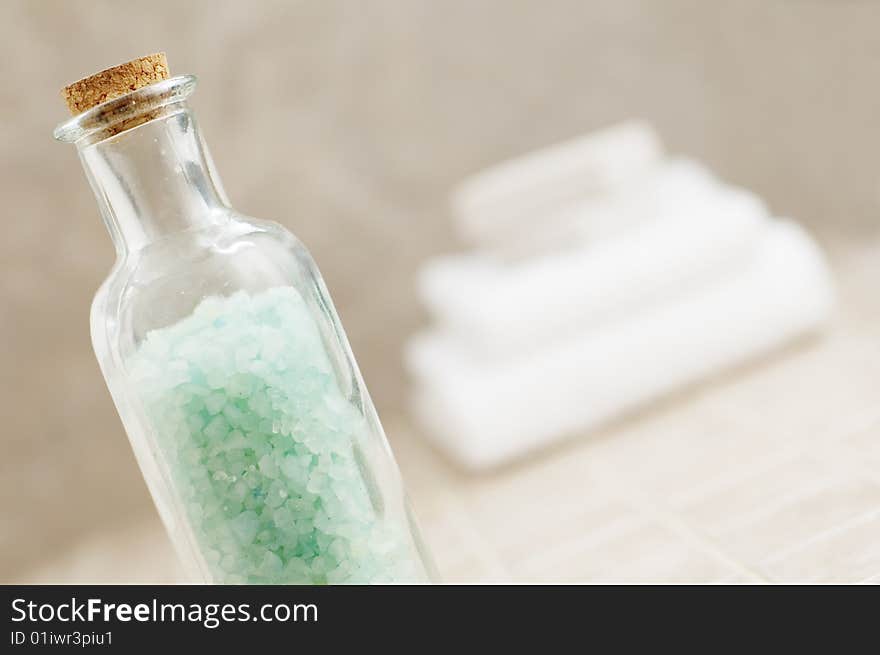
{"x": 154, "y": 180}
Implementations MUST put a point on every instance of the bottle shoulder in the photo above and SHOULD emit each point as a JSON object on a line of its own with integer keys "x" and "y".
{"x": 192, "y": 251}
{"x": 164, "y": 281}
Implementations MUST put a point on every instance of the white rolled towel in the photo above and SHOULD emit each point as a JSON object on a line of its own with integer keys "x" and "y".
{"x": 483, "y": 416}
{"x": 492, "y": 205}
{"x": 675, "y": 186}
{"x": 501, "y": 309}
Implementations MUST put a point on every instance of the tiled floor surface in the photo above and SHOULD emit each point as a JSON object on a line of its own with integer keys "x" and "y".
{"x": 768, "y": 474}
{"x": 771, "y": 473}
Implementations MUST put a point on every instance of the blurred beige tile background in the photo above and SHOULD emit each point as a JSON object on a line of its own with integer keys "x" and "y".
{"x": 349, "y": 122}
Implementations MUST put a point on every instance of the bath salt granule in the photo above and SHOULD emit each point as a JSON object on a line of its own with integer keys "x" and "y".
{"x": 262, "y": 444}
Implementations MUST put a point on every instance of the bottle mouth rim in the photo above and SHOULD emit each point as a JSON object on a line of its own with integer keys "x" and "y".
{"x": 126, "y": 108}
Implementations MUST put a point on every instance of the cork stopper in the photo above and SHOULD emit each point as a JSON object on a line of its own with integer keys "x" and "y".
{"x": 115, "y": 82}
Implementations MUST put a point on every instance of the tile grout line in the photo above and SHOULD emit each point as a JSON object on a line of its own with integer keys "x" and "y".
{"x": 814, "y": 448}
{"x": 561, "y": 552}
{"x": 485, "y": 551}
{"x": 780, "y": 503}
{"x": 752, "y": 419}
{"x": 844, "y": 453}
{"x": 680, "y": 527}
{"x": 819, "y": 537}
{"x": 725, "y": 482}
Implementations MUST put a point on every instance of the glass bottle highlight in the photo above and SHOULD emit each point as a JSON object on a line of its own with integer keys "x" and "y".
{"x": 229, "y": 368}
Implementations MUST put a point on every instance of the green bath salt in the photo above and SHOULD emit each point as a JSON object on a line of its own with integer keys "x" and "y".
{"x": 264, "y": 449}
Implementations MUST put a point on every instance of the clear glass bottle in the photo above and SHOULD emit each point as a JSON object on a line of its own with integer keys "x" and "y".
{"x": 229, "y": 368}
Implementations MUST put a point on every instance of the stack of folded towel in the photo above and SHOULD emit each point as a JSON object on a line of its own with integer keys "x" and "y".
{"x": 602, "y": 275}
